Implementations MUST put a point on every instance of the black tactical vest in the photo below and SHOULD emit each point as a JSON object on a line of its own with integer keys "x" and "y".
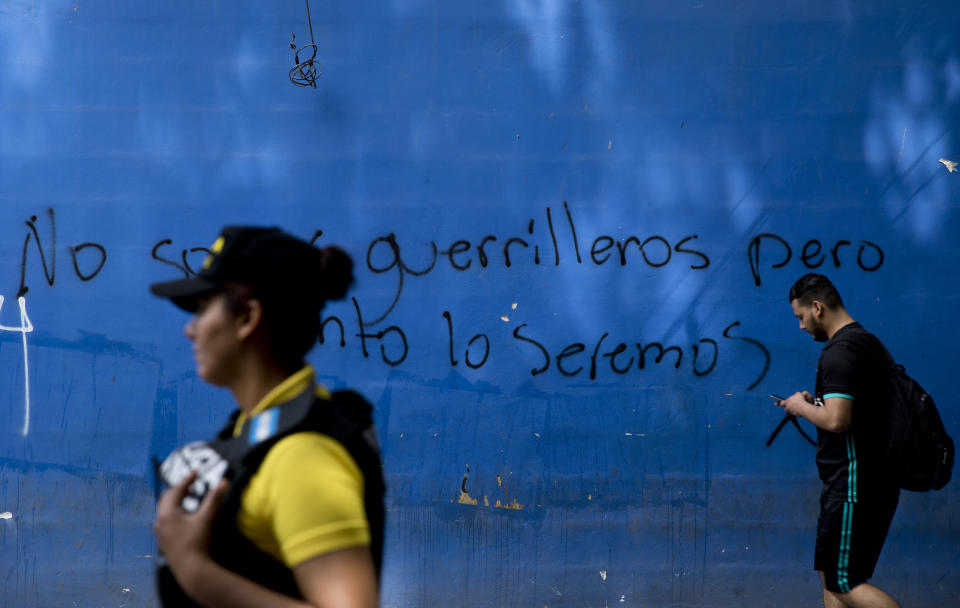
{"x": 346, "y": 417}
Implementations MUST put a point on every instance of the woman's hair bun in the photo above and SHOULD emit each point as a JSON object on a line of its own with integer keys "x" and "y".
{"x": 336, "y": 272}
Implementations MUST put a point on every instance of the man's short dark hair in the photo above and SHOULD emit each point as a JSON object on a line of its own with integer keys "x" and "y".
{"x": 814, "y": 286}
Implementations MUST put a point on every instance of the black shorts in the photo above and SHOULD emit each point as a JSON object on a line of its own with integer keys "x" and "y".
{"x": 849, "y": 538}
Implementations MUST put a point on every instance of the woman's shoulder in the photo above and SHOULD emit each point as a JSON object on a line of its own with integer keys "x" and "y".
{"x": 307, "y": 450}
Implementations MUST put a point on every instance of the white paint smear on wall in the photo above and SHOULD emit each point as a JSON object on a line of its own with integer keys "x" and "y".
{"x": 25, "y": 327}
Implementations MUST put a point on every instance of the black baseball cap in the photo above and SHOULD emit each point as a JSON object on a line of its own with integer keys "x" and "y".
{"x": 277, "y": 266}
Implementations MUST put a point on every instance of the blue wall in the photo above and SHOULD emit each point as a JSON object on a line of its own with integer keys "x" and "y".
{"x": 485, "y": 164}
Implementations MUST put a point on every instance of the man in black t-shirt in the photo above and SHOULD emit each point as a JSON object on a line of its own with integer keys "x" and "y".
{"x": 851, "y": 413}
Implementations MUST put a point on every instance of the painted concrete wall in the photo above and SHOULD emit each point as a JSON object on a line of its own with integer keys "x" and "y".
{"x": 539, "y": 194}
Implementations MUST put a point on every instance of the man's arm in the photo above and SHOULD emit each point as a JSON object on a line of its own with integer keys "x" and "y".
{"x": 834, "y": 415}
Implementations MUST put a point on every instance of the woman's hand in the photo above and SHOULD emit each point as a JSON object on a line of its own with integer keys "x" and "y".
{"x": 184, "y": 537}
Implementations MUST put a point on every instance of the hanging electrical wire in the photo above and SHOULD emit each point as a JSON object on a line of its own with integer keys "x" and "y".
{"x": 305, "y": 73}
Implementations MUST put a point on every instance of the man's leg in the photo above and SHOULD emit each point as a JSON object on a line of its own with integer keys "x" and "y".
{"x": 847, "y": 551}
{"x": 830, "y": 599}
{"x": 863, "y": 595}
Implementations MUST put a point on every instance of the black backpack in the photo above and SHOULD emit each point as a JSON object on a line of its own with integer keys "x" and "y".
{"x": 920, "y": 451}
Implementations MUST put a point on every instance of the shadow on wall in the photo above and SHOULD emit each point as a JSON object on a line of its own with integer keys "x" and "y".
{"x": 908, "y": 132}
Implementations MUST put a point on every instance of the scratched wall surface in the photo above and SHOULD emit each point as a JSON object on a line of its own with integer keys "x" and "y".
{"x": 574, "y": 222}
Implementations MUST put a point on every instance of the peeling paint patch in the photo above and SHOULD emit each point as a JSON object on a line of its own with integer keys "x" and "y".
{"x": 513, "y": 505}
{"x": 505, "y": 318}
{"x": 513, "y": 306}
{"x": 949, "y": 164}
{"x": 465, "y": 499}
{"x": 6, "y": 515}
{"x": 603, "y": 574}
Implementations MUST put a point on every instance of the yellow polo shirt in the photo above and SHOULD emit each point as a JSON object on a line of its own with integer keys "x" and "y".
{"x": 306, "y": 499}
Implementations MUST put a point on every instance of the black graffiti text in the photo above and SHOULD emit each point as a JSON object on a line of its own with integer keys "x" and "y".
{"x": 386, "y": 254}
{"x": 88, "y": 258}
{"x": 869, "y": 256}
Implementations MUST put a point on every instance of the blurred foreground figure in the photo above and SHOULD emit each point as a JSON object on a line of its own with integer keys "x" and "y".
{"x": 284, "y": 507}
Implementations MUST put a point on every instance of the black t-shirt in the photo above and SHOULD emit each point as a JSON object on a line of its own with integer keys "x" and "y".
{"x": 855, "y": 365}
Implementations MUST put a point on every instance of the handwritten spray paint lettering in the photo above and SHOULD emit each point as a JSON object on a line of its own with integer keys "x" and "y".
{"x": 23, "y": 329}
{"x": 869, "y": 256}
{"x": 386, "y": 254}
{"x": 550, "y": 240}
{"x": 88, "y": 258}
{"x": 622, "y": 357}
{"x": 592, "y": 360}
{"x": 183, "y": 265}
